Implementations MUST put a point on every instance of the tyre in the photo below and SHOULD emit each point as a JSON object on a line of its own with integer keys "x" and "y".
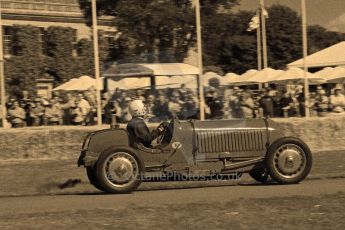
{"x": 288, "y": 160}
{"x": 119, "y": 170}
{"x": 259, "y": 174}
{"x": 91, "y": 174}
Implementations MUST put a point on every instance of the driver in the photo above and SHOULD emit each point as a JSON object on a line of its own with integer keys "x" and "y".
{"x": 137, "y": 129}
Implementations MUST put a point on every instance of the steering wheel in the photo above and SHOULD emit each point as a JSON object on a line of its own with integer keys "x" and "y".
{"x": 166, "y": 128}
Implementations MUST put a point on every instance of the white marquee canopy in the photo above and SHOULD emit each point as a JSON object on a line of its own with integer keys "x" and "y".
{"x": 331, "y": 56}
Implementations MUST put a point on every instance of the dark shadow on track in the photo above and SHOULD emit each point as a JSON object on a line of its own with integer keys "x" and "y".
{"x": 160, "y": 188}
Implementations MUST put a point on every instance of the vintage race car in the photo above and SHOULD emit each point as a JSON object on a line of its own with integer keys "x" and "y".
{"x": 195, "y": 149}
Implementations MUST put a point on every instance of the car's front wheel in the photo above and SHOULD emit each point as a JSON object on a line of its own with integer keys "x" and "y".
{"x": 119, "y": 170}
{"x": 289, "y": 160}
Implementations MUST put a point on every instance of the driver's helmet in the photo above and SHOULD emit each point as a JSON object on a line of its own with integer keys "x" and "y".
{"x": 137, "y": 108}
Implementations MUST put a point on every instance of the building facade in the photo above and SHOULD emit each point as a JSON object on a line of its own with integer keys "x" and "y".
{"x": 46, "y": 13}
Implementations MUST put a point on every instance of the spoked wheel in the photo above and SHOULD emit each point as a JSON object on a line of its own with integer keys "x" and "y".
{"x": 259, "y": 174}
{"x": 119, "y": 171}
{"x": 91, "y": 174}
{"x": 289, "y": 160}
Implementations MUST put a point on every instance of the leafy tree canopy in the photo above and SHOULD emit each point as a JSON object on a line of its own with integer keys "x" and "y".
{"x": 155, "y": 30}
{"x": 319, "y": 38}
{"x": 228, "y": 44}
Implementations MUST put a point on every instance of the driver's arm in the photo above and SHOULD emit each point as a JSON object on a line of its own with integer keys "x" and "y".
{"x": 143, "y": 133}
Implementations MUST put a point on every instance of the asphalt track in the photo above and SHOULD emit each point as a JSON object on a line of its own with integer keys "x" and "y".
{"x": 95, "y": 200}
{"x": 31, "y": 197}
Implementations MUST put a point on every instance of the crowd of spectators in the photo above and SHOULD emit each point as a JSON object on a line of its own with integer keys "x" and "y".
{"x": 79, "y": 108}
{"x": 66, "y": 109}
{"x": 165, "y": 104}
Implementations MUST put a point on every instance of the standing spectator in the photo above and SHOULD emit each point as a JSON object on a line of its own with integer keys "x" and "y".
{"x": 161, "y": 110}
{"x": 25, "y": 103}
{"x": 230, "y": 95}
{"x": 29, "y": 120}
{"x": 120, "y": 98}
{"x": 106, "y": 110}
{"x": 109, "y": 109}
{"x": 25, "y": 100}
{"x": 236, "y": 90}
{"x": 150, "y": 104}
{"x": 287, "y": 105}
{"x": 215, "y": 103}
{"x": 77, "y": 115}
{"x": 38, "y": 113}
{"x": 227, "y": 94}
{"x": 16, "y": 115}
{"x": 83, "y": 105}
{"x": 53, "y": 112}
{"x": 267, "y": 103}
{"x": 190, "y": 108}
{"x": 277, "y": 107}
{"x": 312, "y": 104}
{"x": 322, "y": 102}
{"x": 175, "y": 105}
{"x": 105, "y": 99}
{"x": 235, "y": 105}
{"x": 67, "y": 108}
{"x": 125, "y": 114}
{"x": 114, "y": 96}
{"x": 90, "y": 96}
{"x": 91, "y": 99}
{"x": 183, "y": 92}
{"x": 337, "y": 101}
{"x": 300, "y": 101}
{"x": 25, "y": 96}
{"x": 140, "y": 95}
{"x": 248, "y": 105}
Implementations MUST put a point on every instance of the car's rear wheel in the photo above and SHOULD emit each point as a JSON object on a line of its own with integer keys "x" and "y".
{"x": 289, "y": 160}
{"x": 119, "y": 170}
{"x": 91, "y": 174}
{"x": 259, "y": 174}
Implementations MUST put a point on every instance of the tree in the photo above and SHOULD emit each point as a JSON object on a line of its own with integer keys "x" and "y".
{"x": 25, "y": 66}
{"x": 319, "y": 38}
{"x": 161, "y": 31}
{"x": 155, "y": 31}
{"x": 85, "y": 58}
{"x": 151, "y": 31}
{"x": 284, "y": 36}
{"x": 164, "y": 31}
{"x": 226, "y": 42}
{"x": 103, "y": 46}
{"x": 69, "y": 58}
{"x": 229, "y": 45}
{"x": 213, "y": 7}
{"x": 60, "y": 48}
{"x": 85, "y": 61}
{"x": 237, "y": 54}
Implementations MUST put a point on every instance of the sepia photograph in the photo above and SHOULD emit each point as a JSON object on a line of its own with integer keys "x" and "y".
{"x": 172, "y": 114}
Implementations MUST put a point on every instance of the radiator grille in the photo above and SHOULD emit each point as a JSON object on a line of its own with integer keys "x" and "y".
{"x": 230, "y": 141}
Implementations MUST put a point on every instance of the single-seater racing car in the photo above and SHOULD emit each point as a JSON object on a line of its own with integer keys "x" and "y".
{"x": 195, "y": 148}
